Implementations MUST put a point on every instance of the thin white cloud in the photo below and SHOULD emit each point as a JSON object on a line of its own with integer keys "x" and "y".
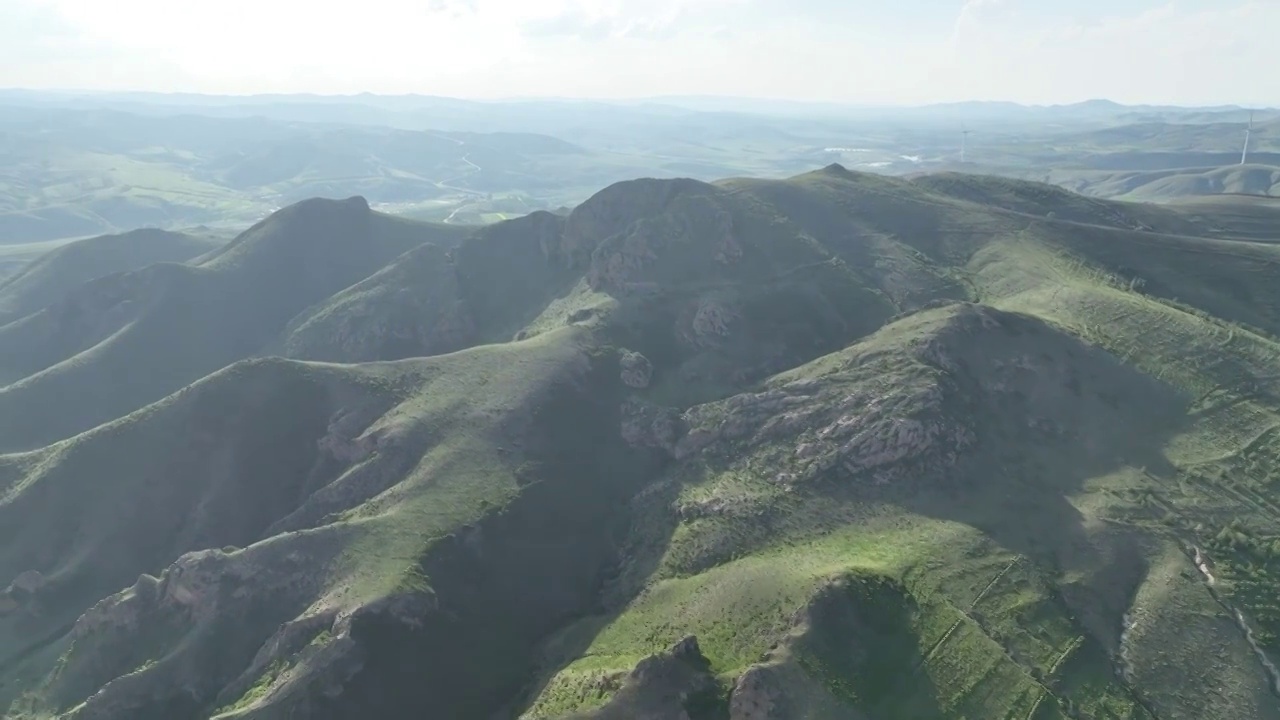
{"x": 1162, "y": 54}
{"x": 974, "y": 12}
{"x": 805, "y": 49}
{"x": 613, "y": 19}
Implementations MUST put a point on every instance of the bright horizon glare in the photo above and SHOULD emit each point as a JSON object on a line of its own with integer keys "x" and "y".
{"x": 1188, "y": 52}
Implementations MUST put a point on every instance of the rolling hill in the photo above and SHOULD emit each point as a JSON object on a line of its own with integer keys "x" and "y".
{"x": 835, "y": 446}
{"x": 75, "y": 165}
{"x": 55, "y": 273}
{"x": 1183, "y": 136}
{"x": 73, "y": 173}
{"x": 124, "y": 340}
{"x": 1180, "y": 184}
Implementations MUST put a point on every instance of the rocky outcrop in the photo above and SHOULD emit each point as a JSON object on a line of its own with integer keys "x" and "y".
{"x": 707, "y": 322}
{"x": 130, "y": 651}
{"x": 754, "y": 696}
{"x": 620, "y": 263}
{"x": 615, "y": 208}
{"x": 682, "y": 232}
{"x": 881, "y": 415}
{"x": 816, "y": 426}
{"x": 645, "y": 425}
{"x": 637, "y": 371}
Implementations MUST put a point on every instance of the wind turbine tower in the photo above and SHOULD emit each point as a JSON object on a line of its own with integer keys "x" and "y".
{"x": 1244, "y": 155}
{"x": 964, "y": 142}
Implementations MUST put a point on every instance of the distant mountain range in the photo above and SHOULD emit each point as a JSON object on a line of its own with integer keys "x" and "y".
{"x": 75, "y": 165}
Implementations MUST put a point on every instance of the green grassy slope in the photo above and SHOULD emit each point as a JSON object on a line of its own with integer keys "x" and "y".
{"x": 974, "y": 478}
{"x": 1249, "y": 218}
{"x": 1177, "y": 184}
{"x": 124, "y": 340}
{"x": 53, "y": 187}
{"x": 1192, "y": 136}
{"x": 15, "y": 257}
{"x": 1132, "y": 156}
{"x": 671, "y": 266}
{"x": 435, "y": 299}
{"x": 367, "y": 539}
{"x": 52, "y": 275}
{"x": 945, "y": 447}
{"x": 1086, "y": 604}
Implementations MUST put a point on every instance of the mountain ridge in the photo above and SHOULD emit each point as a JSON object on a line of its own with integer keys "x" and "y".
{"x": 223, "y": 306}
{"x": 817, "y": 447}
{"x": 43, "y": 281}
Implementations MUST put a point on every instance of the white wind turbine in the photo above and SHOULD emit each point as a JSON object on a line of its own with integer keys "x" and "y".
{"x": 1244, "y": 155}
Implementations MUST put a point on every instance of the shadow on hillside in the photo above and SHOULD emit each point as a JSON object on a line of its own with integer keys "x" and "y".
{"x": 651, "y": 527}
{"x": 465, "y": 645}
{"x": 1080, "y": 416}
{"x": 1025, "y": 503}
{"x": 861, "y": 641}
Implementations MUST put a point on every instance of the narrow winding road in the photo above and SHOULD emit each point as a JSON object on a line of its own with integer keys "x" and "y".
{"x": 444, "y": 184}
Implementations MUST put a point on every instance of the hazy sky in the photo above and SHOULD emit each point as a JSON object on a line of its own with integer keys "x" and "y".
{"x": 872, "y": 51}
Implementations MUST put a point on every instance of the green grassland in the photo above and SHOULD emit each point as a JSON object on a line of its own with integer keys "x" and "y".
{"x": 1002, "y": 591}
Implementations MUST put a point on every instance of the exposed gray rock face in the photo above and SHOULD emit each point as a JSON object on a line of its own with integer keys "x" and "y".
{"x": 637, "y": 371}
{"x": 679, "y": 231}
{"x": 203, "y": 593}
{"x": 707, "y": 322}
{"x": 645, "y": 425}
{"x": 875, "y": 420}
{"x": 753, "y": 697}
{"x": 616, "y": 209}
{"x": 881, "y": 417}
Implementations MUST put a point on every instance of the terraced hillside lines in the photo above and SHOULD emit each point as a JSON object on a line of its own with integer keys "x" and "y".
{"x": 1000, "y": 575}
{"x": 1231, "y": 431}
